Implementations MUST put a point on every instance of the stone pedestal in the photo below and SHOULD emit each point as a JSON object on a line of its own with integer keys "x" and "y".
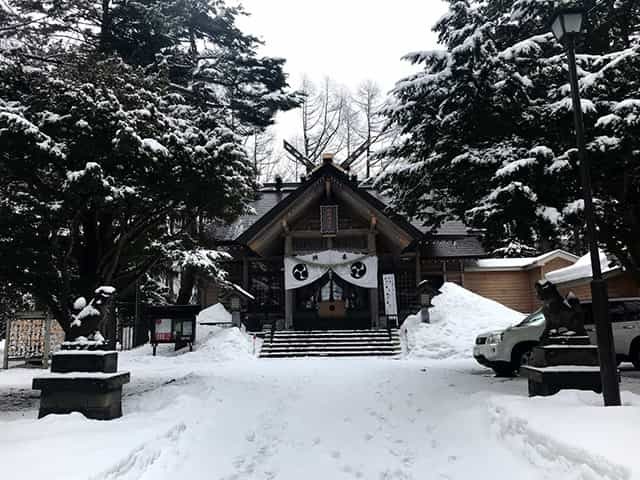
{"x": 82, "y": 381}
{"x": 562, "y": 363}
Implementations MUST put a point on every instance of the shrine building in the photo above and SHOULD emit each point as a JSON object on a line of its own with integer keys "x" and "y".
{"x": 329, "y": 253}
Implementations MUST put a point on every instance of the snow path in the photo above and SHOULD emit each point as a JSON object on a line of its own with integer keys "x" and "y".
{"x": 379, "y": 419}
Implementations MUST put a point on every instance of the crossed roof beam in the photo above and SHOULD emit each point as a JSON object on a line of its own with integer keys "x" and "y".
{"x": 310, "y": 165}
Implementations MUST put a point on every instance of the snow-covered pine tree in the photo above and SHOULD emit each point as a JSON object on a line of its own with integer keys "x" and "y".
{"x": 488, "y": 130}
{"x": 108, "y": 160}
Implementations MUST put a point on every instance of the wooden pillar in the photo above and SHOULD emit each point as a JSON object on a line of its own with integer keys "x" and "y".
{"x": 444, "y": 270}
{"x": 245, "y": 273}
{"x": 418, "y": 267}
{"x": 462, "y": 273}
{"x": 373, "y": 293}
{"x": 288, "y": 294}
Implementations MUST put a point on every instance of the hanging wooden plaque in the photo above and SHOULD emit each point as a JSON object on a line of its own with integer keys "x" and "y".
{"x": 329, "y": 220}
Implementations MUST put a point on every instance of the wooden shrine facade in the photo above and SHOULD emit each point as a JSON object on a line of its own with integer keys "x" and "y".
{"x": 314, "y": 254}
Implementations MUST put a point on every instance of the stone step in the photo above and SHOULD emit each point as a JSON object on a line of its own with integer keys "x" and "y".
{"x": 383, "y": 334}
{"x": 359, "y": 332}
{"x": 332, "y": 337}
{"x": 331, "y": 343}
{"x": 332, "y": 340}
{"x": 318, "y": 353}
{"x": 291, "y": 348}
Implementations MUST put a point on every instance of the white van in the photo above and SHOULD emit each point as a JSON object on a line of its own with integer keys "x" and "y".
{"x": 506, "y": 350}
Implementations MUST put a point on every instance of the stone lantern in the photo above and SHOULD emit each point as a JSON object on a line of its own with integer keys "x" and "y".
{"x": 426, "y": 293}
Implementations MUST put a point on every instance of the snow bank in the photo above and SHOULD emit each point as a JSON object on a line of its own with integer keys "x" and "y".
{"x": 2, "y": 342}
{"x": 224, "y": 345}
{"x": 214, "y": 314}
{"x": 456, "y": 319}
{"x": 221, "y": 344}
{"x": 571, "y": 432}
{"x": 213, "y": 343}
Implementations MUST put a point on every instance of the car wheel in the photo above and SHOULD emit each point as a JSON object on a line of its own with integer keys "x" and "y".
{"x": 503, "y": 371}
{"x": 521, "y": 356}
{"x": 635, "y": 357}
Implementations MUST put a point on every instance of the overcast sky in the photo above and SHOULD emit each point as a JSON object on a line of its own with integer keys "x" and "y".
{"x": 347, "y": 40}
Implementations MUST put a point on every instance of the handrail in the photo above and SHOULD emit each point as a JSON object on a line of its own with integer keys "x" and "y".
{"x": 273, "y": 330}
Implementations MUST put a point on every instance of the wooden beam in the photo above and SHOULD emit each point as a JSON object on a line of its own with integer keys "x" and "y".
{"x": 299, "y": 157}
{"x": 347, "y": 232}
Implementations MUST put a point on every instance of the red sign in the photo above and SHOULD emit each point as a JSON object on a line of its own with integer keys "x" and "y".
{"x": 163, "y": 331}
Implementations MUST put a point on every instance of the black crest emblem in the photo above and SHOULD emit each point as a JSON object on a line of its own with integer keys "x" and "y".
{"x": 300, "y": 272}
{"x": 358, "y": 270}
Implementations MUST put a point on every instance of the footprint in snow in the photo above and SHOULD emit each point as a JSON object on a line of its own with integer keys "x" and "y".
{"x": 368, "y": 437}
{"x": 316, "y": 441}
{"x": 251, "y": 436}
{"x": 336, "y": 454}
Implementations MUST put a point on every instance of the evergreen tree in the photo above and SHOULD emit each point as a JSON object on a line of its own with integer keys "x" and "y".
{"x": 114, "y": 152}
{"x": 488, "y": 131}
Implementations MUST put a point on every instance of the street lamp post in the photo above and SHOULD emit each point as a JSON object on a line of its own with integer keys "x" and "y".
{"x": 566, "y": 25}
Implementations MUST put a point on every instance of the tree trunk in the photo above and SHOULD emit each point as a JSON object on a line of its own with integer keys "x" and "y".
{"x": 187, "y": 282}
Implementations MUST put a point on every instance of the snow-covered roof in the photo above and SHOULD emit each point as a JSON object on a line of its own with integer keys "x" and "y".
{"x": 523, "y": 263}
{"x": 581, "y": 270}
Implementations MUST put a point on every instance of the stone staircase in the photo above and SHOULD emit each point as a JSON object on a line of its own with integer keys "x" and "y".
{"x": 331, "y": 343}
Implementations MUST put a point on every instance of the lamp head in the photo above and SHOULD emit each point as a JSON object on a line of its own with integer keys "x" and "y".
{"x": 567, "y": 22}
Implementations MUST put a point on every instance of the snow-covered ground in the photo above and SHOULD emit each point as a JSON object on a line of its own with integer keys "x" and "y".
{"x": 220, "y": 413}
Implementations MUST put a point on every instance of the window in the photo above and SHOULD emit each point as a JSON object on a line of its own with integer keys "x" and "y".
{"x": 617, "y": 312}
{"x": 633, "y": 311}
{"x": 535, "y": 317}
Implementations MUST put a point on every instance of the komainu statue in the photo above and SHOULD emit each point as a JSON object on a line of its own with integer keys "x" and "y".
{"x": 563, "y": 316}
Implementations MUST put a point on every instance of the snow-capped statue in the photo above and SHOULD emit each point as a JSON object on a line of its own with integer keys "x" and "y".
{"x": 89, "y": 320}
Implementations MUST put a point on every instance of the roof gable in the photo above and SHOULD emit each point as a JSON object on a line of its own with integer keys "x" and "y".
{"x": 276, "y": 202}
{"x": 336, "y": 174}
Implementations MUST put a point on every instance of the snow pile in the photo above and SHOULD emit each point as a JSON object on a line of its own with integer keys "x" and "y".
{"x": 571, "y": 433}
{"x": 220, "y": 344}
{"x": 214, "y": 314}
{"x": 226, "y": 344}
{"x": 456, "y": 319}
{"x": 2, "y": 342}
